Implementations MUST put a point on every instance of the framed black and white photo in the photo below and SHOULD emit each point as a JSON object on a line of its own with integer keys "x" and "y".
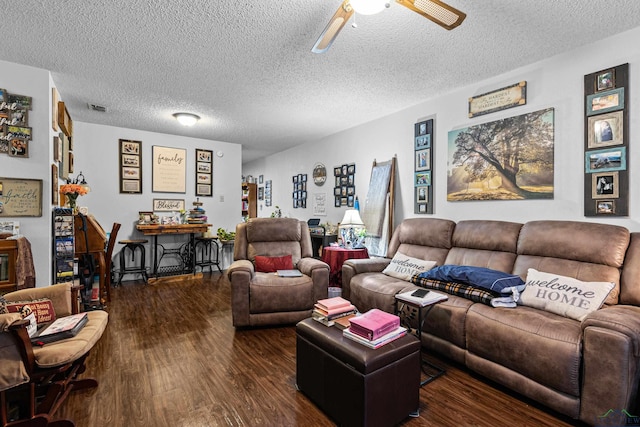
{"x": 204, "y": 172}
{"x": 130, "y": 155}
{"x": 605, "y": 185}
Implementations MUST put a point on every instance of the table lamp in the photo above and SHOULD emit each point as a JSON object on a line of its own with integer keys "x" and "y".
{"x": 349, "y": 227}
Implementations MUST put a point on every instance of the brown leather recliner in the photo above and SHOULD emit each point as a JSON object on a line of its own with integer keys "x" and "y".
{"x": 265, "y": 298}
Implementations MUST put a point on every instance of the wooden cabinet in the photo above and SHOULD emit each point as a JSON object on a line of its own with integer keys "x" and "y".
{"x": 249, "y": 200}
{"x": 8, "y": 255}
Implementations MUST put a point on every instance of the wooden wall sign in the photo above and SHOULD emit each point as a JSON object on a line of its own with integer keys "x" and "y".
{"x": 497, "y": 100}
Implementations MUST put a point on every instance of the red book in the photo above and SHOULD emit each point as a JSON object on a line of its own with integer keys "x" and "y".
{"x": 374, "y": 323}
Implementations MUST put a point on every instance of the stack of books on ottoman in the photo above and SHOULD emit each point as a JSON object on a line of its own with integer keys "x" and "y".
{"x": 375, "y": 328}
{"x": 334, "y": 311}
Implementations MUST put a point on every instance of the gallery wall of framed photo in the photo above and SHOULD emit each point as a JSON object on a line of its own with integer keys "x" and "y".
{"x": 130, "y": 153}
{"x": 344, "y": 190}
{"x": 423, "y": 167}
{"x": 15, "y": 133}
{"x": 299, "y": 191}
{"x": 204, "y": 172}
{"x": 606, "y": 142}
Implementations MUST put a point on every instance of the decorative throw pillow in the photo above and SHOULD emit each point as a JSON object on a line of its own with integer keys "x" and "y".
{"x": 563, "y": 295}
{"x": 404, "y": 267}
{"x": 42, "y": 308}
{"x": 486, "y": 278}
{"x": 266, "y": 264}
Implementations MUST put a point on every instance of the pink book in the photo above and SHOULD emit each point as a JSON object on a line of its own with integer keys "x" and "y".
{"x": 374, "y": 323}
{"x": 331, "y": 312}
{"x": 333, "y": 303}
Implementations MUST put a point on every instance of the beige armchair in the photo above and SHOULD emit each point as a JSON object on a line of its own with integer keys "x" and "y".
{"x": 35, "y": 380}
{"x": 265, "y": 298}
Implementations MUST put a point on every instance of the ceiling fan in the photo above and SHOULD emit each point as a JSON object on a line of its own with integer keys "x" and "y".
{"x": 437, "y": 11}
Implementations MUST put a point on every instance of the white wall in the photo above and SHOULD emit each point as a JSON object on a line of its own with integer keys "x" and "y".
{"x": 36, "y": 83}
{"x": 556, "y": 82}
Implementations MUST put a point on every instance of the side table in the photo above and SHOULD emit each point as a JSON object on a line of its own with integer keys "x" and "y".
{"x": 407, "y": 310}
{"x": 335, "y": 256}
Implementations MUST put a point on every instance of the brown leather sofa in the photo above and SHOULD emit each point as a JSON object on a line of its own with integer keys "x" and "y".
{"x": 581, "y": 369}
{"x": 264, "y": 298}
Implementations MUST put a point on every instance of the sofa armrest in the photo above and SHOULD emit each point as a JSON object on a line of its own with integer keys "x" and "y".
{"x": 319, "y": 273}
{"x": 61, "y": 295}
{"x": 611, "y": 361}
{"x": 351, "y": 267}
{"x": 240, "y": 274}
{"x": 13, "y": 371}
{"x": 242, "y": 265}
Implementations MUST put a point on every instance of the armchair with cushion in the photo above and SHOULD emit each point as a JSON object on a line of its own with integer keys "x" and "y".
{"x": 35, "y": 380}
{"x": 262, "y": 297}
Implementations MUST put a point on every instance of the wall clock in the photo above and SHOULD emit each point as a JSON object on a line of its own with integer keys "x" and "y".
{"x": 319, "y": 174}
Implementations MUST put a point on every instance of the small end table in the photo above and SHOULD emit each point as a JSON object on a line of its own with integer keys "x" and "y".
{"x": 335, "y": 256}
{"x": 407, "y": 311}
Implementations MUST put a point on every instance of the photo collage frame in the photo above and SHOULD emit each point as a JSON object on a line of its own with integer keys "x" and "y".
{"x": 606, "y": 129}
{"x": 130, "y": 153}
{"x": 423, "y": 167}
{"x": 299, "y": 191}
{"x": 204, "y": 172}
{"x": 267, "y": 193}
{"x": 344, "y": 190}
{"x": 15, "y": 133}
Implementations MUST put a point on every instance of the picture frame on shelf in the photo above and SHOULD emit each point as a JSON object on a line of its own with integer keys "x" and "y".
{"x": 605, "y": 130}
{"x": 168, "y": 205}
{"x": 423, "y": 141}
{"x": 423, "y": 160}
{"x": 605, "y": 80}
{"x": 145, "y": 217}
{"x": 605, "y": 102}
{"x": 203, "y": 190}
{"x": 605, "y": 185}
{"x": 611, "y": 159}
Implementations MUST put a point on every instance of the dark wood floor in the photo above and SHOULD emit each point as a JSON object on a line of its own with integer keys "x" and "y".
{"x": 170, "y": 357}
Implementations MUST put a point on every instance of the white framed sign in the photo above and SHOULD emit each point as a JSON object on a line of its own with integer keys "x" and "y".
{"x": 169, "y": 170}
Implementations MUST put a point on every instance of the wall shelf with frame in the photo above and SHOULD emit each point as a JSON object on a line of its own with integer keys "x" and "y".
{"x": 249, "y": 200}
{"x": 606, "y": 142}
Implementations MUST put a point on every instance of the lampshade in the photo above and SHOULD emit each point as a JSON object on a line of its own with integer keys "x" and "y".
{"x": 186, "y": 119}
{"x": 368, "y": 7}
{"x": 351, "y": 218}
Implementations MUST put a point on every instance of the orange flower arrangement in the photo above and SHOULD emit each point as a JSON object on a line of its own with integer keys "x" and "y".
{"x": 72, "y": 191}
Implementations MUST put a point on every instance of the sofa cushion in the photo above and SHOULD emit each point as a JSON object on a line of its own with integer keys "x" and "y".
{"x": 542, "y": 346}
{"x": 42, "y": 308}
{"x": 404, "y": 267}
{"x": 479, "y": 277}
{"x": 267, "y": 264}
{"x": 563, "y": 295}
{"x": 269, "y": 293}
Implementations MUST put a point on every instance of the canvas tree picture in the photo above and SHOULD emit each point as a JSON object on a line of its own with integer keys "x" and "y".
{"x": 507, "y": 159}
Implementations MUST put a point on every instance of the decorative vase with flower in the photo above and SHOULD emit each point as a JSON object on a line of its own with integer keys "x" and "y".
{"x": 72, "y": 192}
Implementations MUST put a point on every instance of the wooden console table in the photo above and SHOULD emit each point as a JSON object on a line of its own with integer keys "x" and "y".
{"x": 156, "y": 230}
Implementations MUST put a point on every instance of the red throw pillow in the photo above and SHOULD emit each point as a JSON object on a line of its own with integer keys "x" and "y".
{"x": 42, "y": 308}
{"x": 267, "y": 264}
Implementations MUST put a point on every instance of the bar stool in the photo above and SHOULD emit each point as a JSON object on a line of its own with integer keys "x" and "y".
{"x": 209, "y": 249}
{"x": 133, "y": 245}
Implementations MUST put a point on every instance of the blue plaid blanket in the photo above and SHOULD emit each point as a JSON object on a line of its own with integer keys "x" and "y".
{"x": 475, "y": 294}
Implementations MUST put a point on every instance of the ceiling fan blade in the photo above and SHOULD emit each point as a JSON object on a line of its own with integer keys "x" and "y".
{"x": 334, "y": 26}
{"x": 441, "y": 13}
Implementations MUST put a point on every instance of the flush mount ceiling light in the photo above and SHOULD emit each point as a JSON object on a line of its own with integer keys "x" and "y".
{"x": 186, "y": 119}
{"x": 368, "y": 7}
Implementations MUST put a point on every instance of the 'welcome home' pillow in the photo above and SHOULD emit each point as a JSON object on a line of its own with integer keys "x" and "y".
{"x": 404, "y": 267}
{"x": 563, "y": 295}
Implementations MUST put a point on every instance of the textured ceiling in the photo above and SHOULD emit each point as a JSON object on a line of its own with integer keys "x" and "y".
{"x": 247, "y": 69}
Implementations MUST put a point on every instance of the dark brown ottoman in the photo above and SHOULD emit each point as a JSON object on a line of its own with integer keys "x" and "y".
{"x": 353, "y": 384}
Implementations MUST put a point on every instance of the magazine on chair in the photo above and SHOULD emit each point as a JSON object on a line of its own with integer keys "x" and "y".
{"x": 61, "y": 328}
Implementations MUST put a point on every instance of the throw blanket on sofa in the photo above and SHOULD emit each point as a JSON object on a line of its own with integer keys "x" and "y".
{"x": 475, "y": 294}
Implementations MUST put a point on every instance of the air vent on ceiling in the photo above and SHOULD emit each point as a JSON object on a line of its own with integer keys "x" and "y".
{"x": 96, "y": 107}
